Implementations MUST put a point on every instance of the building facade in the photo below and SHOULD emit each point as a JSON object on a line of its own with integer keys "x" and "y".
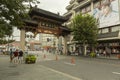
{"x": 107, "y": 13}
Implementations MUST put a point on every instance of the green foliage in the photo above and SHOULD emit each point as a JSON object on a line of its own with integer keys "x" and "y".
{"x": 92, "y": 54}
{"x": 5, "y": 30}
{"x": 30, "y": 59}
{"x": 12, "y": 13}
{"x": 6, "y": 41}
{"x": 84, "y": 28}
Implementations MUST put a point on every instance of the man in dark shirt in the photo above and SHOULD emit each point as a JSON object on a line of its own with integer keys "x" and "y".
{"x": 16, "y": 56}
{"x": 20, "y": 57}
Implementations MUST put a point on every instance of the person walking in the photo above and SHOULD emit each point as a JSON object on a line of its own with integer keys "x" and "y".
{"x": 20, "y": 56}
{"x": 16, "y": 53}
{"x": 104, "y": 53}
{"x": 11, "y": 55}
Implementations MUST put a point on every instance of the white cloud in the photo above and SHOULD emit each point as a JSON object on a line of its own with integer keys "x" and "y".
{"x": 54, "y": 6}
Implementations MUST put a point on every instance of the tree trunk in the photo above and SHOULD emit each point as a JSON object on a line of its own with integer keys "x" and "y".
{"x": 93, "y": 49}
{"x": 84, "y": 49}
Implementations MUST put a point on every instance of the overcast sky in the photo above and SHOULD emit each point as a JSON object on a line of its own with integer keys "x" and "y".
{"x": 54, "y": 6}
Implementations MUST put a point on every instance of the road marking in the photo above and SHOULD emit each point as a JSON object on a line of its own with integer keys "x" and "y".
{"x": 69, "y": 63}
{"x": 116, "y": 73}
{"x": 64, "y": 74}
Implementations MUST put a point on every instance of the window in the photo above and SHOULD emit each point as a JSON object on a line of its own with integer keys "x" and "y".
{"x": 50, "y": 25}
{"x": 103, "y": 1}
{"x": 100, "y": 31}
{"x": 42, "y": 24}
{"x": 88, "y": 9}
{"x": 83, "y": 10}
{"x": 105, "y": 30}
{"x": 97, "y": 5}
{"x": 78, "y": 12}
{"x": 109, "y": 29}
{"x": 46, "y": 24}
{"x": 116, "y": 28}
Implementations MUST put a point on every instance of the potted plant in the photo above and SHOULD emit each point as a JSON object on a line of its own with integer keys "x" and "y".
{"x": 30, "y": 59}
{"x": 92, "y": 54}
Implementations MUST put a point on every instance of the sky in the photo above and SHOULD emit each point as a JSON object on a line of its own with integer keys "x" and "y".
{"x": 54, "y": 6}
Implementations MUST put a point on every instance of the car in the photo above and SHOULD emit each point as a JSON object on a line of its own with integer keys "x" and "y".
{"x": 30, "y": 59}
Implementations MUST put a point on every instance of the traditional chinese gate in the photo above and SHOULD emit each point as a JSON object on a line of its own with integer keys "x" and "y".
{"x": 45, "y": 22}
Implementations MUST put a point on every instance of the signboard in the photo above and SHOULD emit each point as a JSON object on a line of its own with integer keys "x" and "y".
{"x": 107, "y": 13}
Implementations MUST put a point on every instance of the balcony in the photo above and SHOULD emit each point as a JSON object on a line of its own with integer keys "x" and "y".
{"x": 80, "y": 0}
{"x": 68, "y": 14}
{"x": 109, "y": 36}
{"x": 69, "y": 7}
{"x": 81, "y": 4}
{"x": 72, "y": 1}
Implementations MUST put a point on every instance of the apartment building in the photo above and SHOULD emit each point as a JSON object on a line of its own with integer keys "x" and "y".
{"x": 107, "y": 13}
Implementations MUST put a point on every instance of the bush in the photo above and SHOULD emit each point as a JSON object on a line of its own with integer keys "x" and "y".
{"x": 92, "y": 54}
{"x": 30, "y": 59}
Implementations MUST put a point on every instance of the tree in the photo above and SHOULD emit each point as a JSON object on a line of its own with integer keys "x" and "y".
{"x": 12, "y": 13}
{"x": 6, "y": 41}
{"x": 85, "y": 29}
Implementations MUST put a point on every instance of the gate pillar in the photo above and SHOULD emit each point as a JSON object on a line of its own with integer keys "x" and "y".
{"x": 65, "y": 50}
{"x": 22, "y": 39}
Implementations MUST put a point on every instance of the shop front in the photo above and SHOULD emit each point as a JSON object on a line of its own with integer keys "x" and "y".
{"x": 109, "y": 42}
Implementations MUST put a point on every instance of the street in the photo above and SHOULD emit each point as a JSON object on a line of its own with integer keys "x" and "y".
{"x": 52, "y": 67}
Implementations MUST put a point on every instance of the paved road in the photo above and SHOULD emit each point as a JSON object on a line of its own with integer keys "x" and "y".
{"x": 48, "y": 68}
{"x": 10, "y": 71}
{"x": 87, "y": 68}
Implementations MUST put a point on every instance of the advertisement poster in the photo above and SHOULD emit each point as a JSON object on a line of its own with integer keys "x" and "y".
{"x": 106, "y": 12}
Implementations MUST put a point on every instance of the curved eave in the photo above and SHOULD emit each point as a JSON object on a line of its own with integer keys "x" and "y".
{"x": 30, "y": 23}
{"x": 65, "y": 30}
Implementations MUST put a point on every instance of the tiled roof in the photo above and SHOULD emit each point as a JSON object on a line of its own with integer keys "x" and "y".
{"x": 47, "y": 14}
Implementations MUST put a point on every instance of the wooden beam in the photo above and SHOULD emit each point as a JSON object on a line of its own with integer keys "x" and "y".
{"x": 46, "y": 19}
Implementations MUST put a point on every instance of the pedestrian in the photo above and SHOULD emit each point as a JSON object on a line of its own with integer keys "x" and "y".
{"x": 16, "y": 53}
{"x": 108, "y": 52}
{"x": 97, "y": 53}
{"x": 11, "y": 55}
{"x": 104, "y": 53}
{"x": 20, "y": 56}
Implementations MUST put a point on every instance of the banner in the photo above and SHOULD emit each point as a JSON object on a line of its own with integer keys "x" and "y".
{"x": 106, "y": 12}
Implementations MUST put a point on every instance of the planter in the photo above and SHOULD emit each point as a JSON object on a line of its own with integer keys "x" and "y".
{"x": 92, "y": 54}
{"x": 30, "y": 59}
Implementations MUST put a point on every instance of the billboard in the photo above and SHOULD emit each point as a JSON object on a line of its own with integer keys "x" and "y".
{"x": 106, "y": 12}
